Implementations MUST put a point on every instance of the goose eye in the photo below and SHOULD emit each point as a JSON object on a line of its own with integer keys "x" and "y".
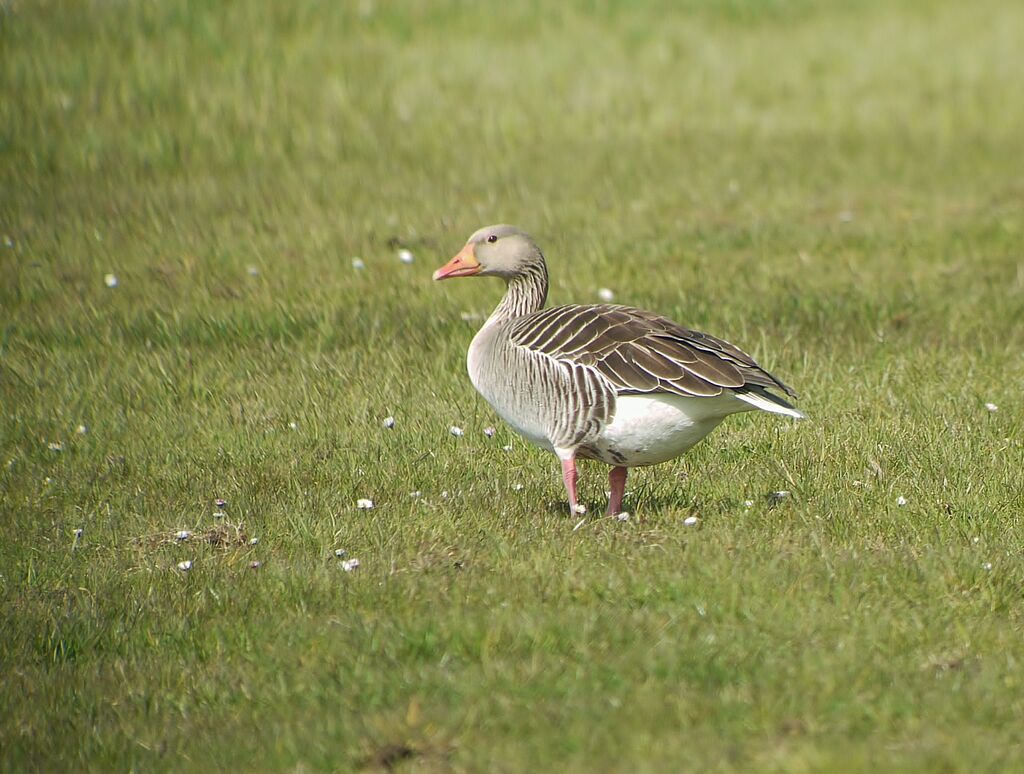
{"x": 492, "y": 239}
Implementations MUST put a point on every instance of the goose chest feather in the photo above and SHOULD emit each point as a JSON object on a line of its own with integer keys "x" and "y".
{"x": 509, "y": 390}
{"x": 612, "y": 383}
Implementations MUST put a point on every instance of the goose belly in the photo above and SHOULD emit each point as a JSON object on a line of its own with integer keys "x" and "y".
{"x": 648, "y": 429}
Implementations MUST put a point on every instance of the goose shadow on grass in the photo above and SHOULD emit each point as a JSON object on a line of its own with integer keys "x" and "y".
{"x": 667, "y": 507}
{"x": 642, "y": 507}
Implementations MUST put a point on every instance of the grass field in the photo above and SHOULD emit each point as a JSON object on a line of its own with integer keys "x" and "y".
{"x": 836, "y": 187}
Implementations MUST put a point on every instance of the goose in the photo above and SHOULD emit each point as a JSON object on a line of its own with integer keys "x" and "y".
{"x": 604, "y": 382}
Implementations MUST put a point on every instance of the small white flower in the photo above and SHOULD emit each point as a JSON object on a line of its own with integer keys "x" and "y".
{"x": 357, "y": 264}
{"x": 901, "y": 501}
{"x": 975, "y": 540}
{"x": 606, "y": 295}
{"x": 622, "y": 516}
{"x": 185, "y": 566}
{"x": 293, "y": 425}
{"x": 348, "y": 565}
{"x": 110, "y": 280}
{"x": 489, "y": 432}
{"x": 517, "y": 487}
{"x": 47, "y": 480}
{"x": 253, "y": 541}
{"x": 506, "y": 448}
{"x": 748, "y": 503}
{"x": 252, "y": 271}
{"x": 182, "y": 534}
{"x": 992, "y": 407}
{"x": 340, "y": 553}
{"x": 364, "y": 503}
{"x": 986, "y": 566}
{"x": 8, "y": 242}
{"x": 405, "y": 256}
{"x": 458, "y": 432}
{"x": 691, "y": 521}
{"x": 444, "y": 494}
{"x": 219, "y": 514}
{"x": 415, "y": 494}
{"x": 56, "y": 446}
{"x": 81, "y": 430}
{"x": 388, "y": 422}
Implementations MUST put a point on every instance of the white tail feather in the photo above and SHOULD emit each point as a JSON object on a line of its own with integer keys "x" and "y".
{"x": 764, "y": 402}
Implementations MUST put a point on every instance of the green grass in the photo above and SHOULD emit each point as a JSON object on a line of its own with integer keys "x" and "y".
{"x": 836, "y": 187}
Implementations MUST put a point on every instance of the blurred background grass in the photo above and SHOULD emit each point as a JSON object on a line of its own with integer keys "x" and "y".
{"x": 835, "y": 187}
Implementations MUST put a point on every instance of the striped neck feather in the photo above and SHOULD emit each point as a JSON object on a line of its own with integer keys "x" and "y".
{"x": 526, "y": 294}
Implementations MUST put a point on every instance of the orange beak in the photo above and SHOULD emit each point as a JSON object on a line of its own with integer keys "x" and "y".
{"x": 464, "y": 264}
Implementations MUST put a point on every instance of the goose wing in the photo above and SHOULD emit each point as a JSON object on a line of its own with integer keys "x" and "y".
{"x": 641, "y": 352}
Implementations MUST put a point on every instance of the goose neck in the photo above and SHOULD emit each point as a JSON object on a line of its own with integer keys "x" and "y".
{"x": 526, "y": 293}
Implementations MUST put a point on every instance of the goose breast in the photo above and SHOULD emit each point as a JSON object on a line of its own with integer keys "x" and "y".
{"x": 553, "y": 404}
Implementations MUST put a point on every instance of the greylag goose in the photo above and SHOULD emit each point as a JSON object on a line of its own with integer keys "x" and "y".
{"x": 604, "y": 382}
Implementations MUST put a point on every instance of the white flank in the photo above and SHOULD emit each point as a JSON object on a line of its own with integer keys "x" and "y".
{"x": 649, "y": 429}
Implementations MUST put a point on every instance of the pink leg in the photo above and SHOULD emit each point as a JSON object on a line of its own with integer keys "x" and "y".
{"x": 617, "y": 483}
{"x": 569, "y": 477}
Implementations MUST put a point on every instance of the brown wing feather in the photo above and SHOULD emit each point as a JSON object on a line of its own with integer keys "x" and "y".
{"x": 638, "y": 351}
{"x": 621, "y": 372}
{"x": 658, "y": 366}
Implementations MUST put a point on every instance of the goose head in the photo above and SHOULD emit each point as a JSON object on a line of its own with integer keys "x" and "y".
{"x": 494, "y": 251}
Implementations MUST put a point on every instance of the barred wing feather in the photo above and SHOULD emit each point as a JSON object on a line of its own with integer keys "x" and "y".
{"x": 641, "y": 352}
